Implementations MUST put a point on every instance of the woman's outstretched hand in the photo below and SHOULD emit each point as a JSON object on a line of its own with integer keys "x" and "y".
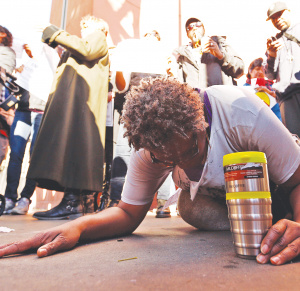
{"x": 281, "y": 244}
{"x": 60, "y": 238}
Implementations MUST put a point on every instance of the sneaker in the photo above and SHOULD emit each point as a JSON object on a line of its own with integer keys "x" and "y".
{"x": 160, "y": 213}
{"x": 9, "y": 205}
{"x": 21, "y": 207}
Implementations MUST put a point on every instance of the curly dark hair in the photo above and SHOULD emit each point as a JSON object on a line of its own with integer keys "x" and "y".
{"x": 8, "y": 40}
{"x": 158, "y": 109}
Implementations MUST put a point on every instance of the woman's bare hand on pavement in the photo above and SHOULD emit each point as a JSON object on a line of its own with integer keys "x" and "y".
{"x": 63, "y": 237}
{"x": 281, "y": 244}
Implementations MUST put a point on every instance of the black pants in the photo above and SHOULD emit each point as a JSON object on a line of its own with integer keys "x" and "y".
{"x": 290, "y": 113}
{"x": 109, "y": 150}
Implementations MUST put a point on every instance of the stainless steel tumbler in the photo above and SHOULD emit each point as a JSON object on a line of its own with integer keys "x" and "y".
{"x": 248, "y": 200}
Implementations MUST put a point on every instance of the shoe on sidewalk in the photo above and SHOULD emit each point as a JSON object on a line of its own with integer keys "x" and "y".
{"x": 160, "y": 213}
{"x": 70, "y": 207}
{"x": 113, "y": 203}
{"x": 21, "y": 207}
{"x": 9, "y": 205}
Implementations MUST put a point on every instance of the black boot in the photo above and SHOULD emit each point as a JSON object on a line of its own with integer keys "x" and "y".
{"x": 70, "y": 207}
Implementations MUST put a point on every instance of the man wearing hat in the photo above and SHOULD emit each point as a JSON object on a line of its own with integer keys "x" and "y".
{"x": 283, "y": 64}
{"x": 206, "y": 61}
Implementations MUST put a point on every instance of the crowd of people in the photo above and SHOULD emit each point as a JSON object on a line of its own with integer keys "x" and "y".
{"x": 177, "y": 125}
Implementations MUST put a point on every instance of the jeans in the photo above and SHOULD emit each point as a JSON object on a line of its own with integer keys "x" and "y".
{"x": 25, "y": 123}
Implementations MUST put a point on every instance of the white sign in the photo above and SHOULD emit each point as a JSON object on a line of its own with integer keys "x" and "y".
{"x": 141, "y": 56}
{"x": 17, "y": 46}
{"x": 37, "y": 76}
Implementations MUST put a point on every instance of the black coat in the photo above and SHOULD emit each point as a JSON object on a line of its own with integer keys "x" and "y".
{"x": 69, "y": 149}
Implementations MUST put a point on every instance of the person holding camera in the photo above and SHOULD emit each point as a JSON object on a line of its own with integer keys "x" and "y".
{"x": 27, "y": 120}
{"x": 8, "y": 63}
{"x": 283, "y": 64}
{"x": 206, "y": 61}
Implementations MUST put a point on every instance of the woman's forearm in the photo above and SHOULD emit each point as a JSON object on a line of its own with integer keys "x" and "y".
{"x": 112, "y": 222}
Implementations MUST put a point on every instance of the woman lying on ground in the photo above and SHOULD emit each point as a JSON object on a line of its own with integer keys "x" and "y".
{"x": 174, "y": 128}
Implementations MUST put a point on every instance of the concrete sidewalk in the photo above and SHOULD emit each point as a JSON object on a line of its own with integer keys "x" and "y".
{"x": 171, "y": 255}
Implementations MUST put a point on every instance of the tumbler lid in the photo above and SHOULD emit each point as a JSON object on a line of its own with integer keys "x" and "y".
{"x": 244, "y": 157}
{"x": 248, "y": 195}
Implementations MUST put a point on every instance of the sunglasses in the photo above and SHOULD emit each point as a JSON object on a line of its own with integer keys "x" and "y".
{"x": 194, "y": 151}
{"x": 191, "y": 25}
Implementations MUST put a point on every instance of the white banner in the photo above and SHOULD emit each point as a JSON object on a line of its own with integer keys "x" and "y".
{"x": 17, "y": 46}
{"x": 37, "y": 76}
{"x": 139, "y": 55}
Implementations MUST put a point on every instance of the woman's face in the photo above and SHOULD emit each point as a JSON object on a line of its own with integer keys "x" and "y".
{"x": 257, "y": 72}
{"x": 182, "y": 152}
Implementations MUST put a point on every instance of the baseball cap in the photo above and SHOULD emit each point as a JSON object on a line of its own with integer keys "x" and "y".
{"x": 276, "y": 7}
{"x": 191, "y": 20}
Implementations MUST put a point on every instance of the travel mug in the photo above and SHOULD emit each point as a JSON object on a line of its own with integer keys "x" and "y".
{"x": 248, "y": 200}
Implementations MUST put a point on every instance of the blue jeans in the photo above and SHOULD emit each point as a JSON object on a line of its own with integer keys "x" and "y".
{"x": 18, "y": 141}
